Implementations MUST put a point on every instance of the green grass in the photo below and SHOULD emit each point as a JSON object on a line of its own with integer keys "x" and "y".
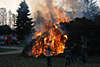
{"x": 6, "y": 49}
{"x": 20, "y": 61}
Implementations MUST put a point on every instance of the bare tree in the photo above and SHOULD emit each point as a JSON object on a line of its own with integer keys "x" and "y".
{"x": 3, "y": 16}
{"x": 10, "y": 18}
{"x": 14, "y": 18}
{"x": 91, "y": 9}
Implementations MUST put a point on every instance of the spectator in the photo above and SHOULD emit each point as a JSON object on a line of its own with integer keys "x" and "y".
{"x": 48, "y": 57}
{"x": 15, "y": 39}
{"x": 9, "y": 40}
{"x": 68, "y": 56}
{"x": 2, "y": 39}
{"x": 84, "y": 49}
{"x": 74, "y": 52}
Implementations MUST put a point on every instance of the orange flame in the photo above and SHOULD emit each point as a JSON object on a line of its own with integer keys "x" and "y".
{"x": 60, "y": 16}
{"x": 52, "y": 38}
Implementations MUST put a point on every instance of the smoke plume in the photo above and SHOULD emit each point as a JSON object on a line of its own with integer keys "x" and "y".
{"x": 42, "y": 10}
{"x": 74, "y": 6}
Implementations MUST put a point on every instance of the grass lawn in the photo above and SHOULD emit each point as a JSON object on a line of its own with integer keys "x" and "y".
{"x": 6, "y": 49}
{"x": 20, "y": 61}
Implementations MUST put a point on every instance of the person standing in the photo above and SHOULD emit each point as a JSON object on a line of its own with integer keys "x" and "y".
{"x": 48, "y": 57}
{"x": 68, "y": 56}
{"x": 75, "y": 51}
{"x": 84, "y": 49}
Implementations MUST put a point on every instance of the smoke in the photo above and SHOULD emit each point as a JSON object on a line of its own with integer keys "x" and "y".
{"x": 74, "y": 6}
{"x": 42, "y": 10}
{"x": 28, "y": 39}
{"x": 37, "y": 6}
{"x": 44, "y": 6}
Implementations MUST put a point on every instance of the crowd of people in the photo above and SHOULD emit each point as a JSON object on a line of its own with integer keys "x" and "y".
{"x": 73, "y": 53}
{"x": 8, "y": 39}
{"x": 77, "y": 52}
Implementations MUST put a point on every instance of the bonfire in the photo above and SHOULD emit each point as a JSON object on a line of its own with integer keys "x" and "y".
{"x": 52, "y": 37}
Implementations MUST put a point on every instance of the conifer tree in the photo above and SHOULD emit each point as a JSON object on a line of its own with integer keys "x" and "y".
{"x": 23, "y": 23}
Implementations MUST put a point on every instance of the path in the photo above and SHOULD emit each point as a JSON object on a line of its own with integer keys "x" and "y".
{"x": 17, "y": 51}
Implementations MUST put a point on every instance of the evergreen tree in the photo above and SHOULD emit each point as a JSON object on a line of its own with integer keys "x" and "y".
{"x": 23, "y": 23}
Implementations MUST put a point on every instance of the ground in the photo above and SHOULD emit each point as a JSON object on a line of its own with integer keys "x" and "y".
{"x": 17, "y": 60}
{"x": 7, "y": 49}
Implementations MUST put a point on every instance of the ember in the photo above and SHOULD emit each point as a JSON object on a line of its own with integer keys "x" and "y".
{"x": 52, "y": 37}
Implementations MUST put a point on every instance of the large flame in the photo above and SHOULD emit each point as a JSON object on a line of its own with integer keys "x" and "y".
{"x": 52, "y": 37}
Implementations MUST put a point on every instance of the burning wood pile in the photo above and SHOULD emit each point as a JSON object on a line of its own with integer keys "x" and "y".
{"x": 52, "y": 38}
